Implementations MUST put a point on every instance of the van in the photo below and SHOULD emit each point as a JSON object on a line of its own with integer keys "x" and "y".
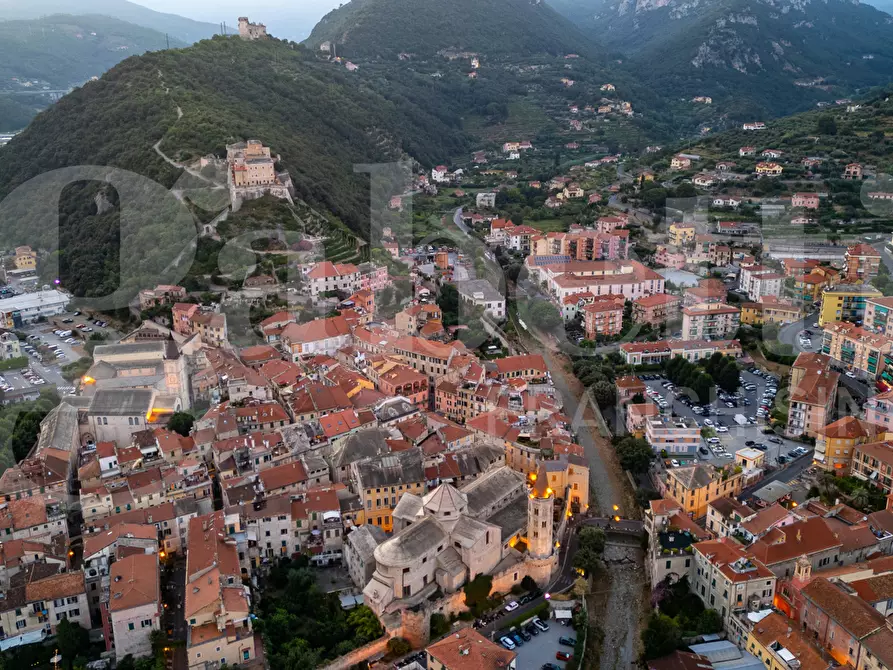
{"x": 65, "y": 333}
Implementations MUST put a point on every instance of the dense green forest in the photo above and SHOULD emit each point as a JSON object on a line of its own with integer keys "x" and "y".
{"x": 20, "y": 426}
{"x": 386, "y": 28}
{"x": 320, "y": 118}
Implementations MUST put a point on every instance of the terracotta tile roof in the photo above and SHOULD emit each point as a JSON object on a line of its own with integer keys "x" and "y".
{"x": 208, "y": 545}
{"x": 765, "y": 519}
{"x": 629, "y": 383}
{"x": 469, "y": 650}
{"x": 96, "y": 542}
{"x": 848, "y": 611}
{"x": 339, "y": 423}
{"x": 778, "y": 628}
{"x": 518, "y": 363}
{"x": 737, "y": 564}
{"x": 134, "y": 582}
{"x": 64, "y": 585}
{"x": 790, "y": 542}
{"x": 28, "y": 512}
{"x": 202, "y": 592}
{"x": 316, "y": 330}
{"x": 655, "y": 299}
{"x": 282, "y": 476}
{"x": 663, "y": 506}
{"x": 874, "y": 589}
{"x": 880, "y": 643}
{"x": 849, "y": 427}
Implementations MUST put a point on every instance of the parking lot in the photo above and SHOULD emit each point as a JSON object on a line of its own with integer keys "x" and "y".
{"x": 541, "y": 649}
{"x": 723, "y": 417}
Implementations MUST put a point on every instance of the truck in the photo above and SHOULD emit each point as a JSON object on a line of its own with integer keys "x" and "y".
{"x": 741, "y": 420}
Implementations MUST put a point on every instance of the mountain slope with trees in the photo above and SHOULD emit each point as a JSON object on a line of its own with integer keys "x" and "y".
{"x": 321, "y": 119}
{"x": 386, "y": 28}
{"x": 65, "y": 50}
{"x": 746, "y": 54}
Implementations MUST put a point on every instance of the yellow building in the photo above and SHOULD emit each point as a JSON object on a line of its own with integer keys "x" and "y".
{"x": 26, "y": 258}
{"x": 696, "y": 486}
{"x": 846, "y": 302}
{"x": 779, "y": 643}
{"x": 680, "y": 233}
{"x": 752, "y": 314}
{"x": 836, "y": 443}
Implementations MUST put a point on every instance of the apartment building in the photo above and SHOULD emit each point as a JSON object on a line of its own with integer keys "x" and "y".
{"x": 327, "y": 276}
{"x": 320, "y": 336}
{"x": 467, "y": 649}
{"x": 678, "y": 436}
{"x": 38, "y": 598}
{"x": 879, "y": 316}
{"x": 710, "y": 321}
{"x": 629, "y": 278}
{"x": 728, "y": 579}
{"x": 856, "y": 348}
{"x": 525, "y": 366}
{"x": 650, "y": 353}
{"x": 382, "y": 481}
{"x": 681, "y": 234}
{"x": 770, "y": 310}
{"x": 879, "y": 409}
{"x": 671, "y": 535}
{"x": 813, "y": 392}
{"x": 846, "y": 302}
{"x": 604, "y": 316}
{"x": 861, "y": 263}
{"x": 782, "y": 646}
{"x": 725, "y": 516}
{"x": 583, "y": 245}
{"x": 759, "y": 281}
{"x": 874, "y": 463}
{"x": 835, "y": 443}
{"x": 697, "y": 486}
{"x": 656, "y": 309}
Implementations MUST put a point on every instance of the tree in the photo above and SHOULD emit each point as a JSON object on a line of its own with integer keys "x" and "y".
{"x": 440, "y": 625}
{"x": 637, "y": 399}
{"x": 477, "y": 591}
{"x": 545, "y": 315}
{"x": 365, "y": 623}
{"x": 581, "y": 587}
{"x": 72, "y": 641}
{"x": 634, "y": 454}
{"x": 604, "y": 393}
{"x": 827, "y": 126}
{"x": 661, "y": 636}
{"x": 709, "y": 621}
{"x": 588, "y": 561}
{"x": 398, "y": 646}
{"x": 592, "y": 539}
{"x": 729, "y": 378}
{"x": 181, "y": 422}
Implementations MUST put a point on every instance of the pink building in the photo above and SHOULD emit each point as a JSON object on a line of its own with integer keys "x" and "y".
{"x": 805, "y": 200}
{"x": 182, "y": 314}
{"x": 607, "y": 224}
{"x": 669, "y": 256}
{"x": 372, "y": 277}
{"x": 879, "y": 410}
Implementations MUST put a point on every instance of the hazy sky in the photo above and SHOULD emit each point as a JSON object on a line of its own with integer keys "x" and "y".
{"x": 292, "y": 19}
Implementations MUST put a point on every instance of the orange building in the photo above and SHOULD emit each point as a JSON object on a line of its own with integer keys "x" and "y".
{"x": 604, "y": 316}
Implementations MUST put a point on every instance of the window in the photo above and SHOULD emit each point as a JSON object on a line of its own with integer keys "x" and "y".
{"x": 146, "y": 623}
{"x": 130, "y": 626}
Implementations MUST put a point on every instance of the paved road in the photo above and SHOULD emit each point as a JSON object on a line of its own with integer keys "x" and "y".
{"x": 791, "y": 472}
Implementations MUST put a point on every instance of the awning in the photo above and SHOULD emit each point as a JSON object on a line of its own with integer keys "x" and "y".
{"x": 563, "y": 614}
{"x": 26, "y": 638}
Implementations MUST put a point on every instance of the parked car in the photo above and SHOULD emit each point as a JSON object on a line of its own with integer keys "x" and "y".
{"x": 562, "y": 656}
{"x": 542, "y": 625}
{"x": 507, "y": 643}
{"x": 524, "y": 634}
{"x": 519, "y": 641}
{"x": 567, "y": 641}
{"x": 775, "y": 440}
{"x": 511, "y": 607}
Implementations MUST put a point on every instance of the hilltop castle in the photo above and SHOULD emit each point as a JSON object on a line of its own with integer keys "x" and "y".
{"x": 251, "y": 31}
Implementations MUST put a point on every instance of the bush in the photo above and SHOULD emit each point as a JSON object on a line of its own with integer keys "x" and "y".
{"x": 14, "y": 363}
{"x": 439, "y": 625}
{"x": 398, "y": 646}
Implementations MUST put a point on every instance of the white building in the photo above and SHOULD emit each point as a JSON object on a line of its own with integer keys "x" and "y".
{"x": 480, "y": 293}
{"x": 9, "y": 346}
{"x": 486, "y": 200}
{"x": 134, "y": 604}
{"x": 29, "y": 307}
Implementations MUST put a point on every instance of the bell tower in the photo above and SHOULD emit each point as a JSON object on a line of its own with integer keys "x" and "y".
{"x": 540, "y": 505}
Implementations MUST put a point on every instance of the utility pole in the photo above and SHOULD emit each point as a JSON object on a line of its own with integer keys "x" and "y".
{"x": 168, "y": 40}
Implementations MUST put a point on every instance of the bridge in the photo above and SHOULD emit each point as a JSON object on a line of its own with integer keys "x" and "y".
{"x": 628, "y": 527}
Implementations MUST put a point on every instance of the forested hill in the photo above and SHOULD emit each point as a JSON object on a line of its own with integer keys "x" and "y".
{"x": 177, "y": 27}
{"x": 64, "y": 50}
{"x": 386, "y": 28}
{"x": 321, "y": 118}
{"x": 759, "y": 57}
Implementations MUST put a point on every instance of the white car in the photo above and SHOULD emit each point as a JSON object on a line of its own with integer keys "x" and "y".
{"x": 708, "y": 422}
{"x": 674, "y": 463}
{"x": 512, "y": 606}
{"x": 722, "y": 429}
{"x": 850, "y": 374}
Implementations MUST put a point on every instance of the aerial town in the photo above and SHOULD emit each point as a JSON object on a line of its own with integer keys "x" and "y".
{"x": 559, "y": 402}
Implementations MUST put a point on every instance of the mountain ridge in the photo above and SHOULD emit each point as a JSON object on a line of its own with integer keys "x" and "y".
{"x": 179, "y": 27}
{"x": 386, "y": 28}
